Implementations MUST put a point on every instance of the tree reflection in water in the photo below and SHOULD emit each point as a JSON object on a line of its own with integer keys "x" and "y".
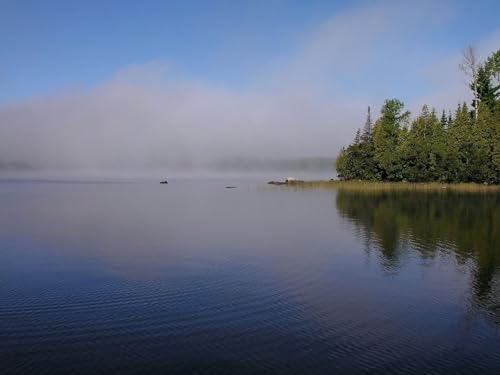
{"x": 401, "y": 224}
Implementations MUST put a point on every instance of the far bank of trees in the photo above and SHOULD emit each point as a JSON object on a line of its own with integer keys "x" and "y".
{"x": 458, "y": 146}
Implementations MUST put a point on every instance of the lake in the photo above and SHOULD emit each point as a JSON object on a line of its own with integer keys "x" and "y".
{"x": 135, "y": 277}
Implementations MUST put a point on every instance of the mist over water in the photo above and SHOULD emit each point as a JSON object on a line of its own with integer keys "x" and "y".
{"x": 229, "y": 169}
{"x": 134, "y": 126}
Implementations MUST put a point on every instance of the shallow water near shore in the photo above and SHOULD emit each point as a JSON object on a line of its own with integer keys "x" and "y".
{"x": 136, "y": 277}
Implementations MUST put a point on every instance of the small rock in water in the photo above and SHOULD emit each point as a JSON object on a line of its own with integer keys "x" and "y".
{"x": 164, "y": 182}
{"x": 231, "y": 187}
{"x": 276, "y": 183}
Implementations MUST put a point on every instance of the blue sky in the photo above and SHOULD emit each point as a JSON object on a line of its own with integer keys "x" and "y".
{"x": 47, "y": 45}
{"x": 145, "y": 81}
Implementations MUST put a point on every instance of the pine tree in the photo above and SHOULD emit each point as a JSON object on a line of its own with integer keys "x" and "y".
{"x": 463, "y": 148}
{"x": 461, "y": 143}
{"x": 369, "y": 169}
{"x": 341, "y": 164}
{"x": 386, "y": 138}
{"x": 492, "y": 66}
{"x": 481, "y": 164}
{"x": 451, "y": 159}
{"x": 487, "y": 93}
{"x": 357, "y": 138}
{"x": 367, "y": 130}
{"x": 495, "y": 153}
{"x": 423, "y": 151}
{"x": 444, "y": 120}
{"x": 356, "y": 161}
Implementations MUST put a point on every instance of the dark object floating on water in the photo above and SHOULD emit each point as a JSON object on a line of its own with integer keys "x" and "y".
{"x": 231, "y": 187}
{"x": 276, "y": 183}
{"x": 164, "y": 182}
{"x": 288, "y": 181}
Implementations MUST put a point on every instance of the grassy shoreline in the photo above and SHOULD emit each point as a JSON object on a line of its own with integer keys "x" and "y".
{"x": 376, "y": 186}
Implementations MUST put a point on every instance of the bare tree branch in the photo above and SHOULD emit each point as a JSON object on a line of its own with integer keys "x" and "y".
{"x": 470, "y": 66}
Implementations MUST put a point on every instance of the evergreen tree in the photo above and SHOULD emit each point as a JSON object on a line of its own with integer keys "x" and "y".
{"x": 461, "y": 142}
{"x": 481, "y": 165}
{"x": 492, "y": 66}
{"x": 386, "y": 138}
{"x": 451, "y": 159}
{"x": 369, "y": 170}
{"x": 341, "y": 165}
{"x": 367, "y": 131}
{"x": 487, "y": 93}
{"x": 495, "y": 153}
{"x": 357, "y": 138}
{"x": 422, "y": 152}
{"x": 356, "y": 161}
{"x": 444, "y": 120}
{"x": 463, "y": 148}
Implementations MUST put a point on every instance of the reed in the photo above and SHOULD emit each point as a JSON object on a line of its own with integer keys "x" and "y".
{"x": 374, "y": 186}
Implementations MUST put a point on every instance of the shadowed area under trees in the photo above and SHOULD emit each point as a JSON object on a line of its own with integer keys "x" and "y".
{"x": 463, "y": 146}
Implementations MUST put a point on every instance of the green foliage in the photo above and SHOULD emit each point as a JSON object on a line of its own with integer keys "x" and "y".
{"x": 357, "y": 161}
{"x": 492, "y": 67}
{"x": 422, "y": 152}
{"x": 460, "y": 148}
{"x": 487, "y": 92}
{"x": 495, "y": 143}
{"x": 457, "y": 148}
{"x": 460, "y": 145}
{"x": 386, "y": 136}
{"x": 444, "y": 120}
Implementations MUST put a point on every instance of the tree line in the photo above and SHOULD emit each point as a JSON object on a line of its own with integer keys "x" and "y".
{"x": 463, "y": 146}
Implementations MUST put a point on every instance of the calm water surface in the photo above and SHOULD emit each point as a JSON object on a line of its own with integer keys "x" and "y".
{"x": 190, "y": 277}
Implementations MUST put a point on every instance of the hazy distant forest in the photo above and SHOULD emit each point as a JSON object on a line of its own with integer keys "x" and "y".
{"x": 463, "y": 146}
